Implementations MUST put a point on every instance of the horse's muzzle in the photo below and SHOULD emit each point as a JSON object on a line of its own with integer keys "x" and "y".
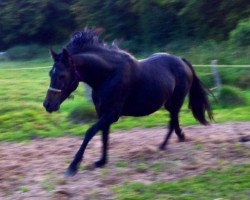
{"x": 52, "y": 101}
{"x": 50, "y": 107}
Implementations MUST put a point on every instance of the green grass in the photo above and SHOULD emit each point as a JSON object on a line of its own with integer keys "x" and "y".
{"x": 232, "y": 183}
{"x": 23, "y": 117}
{"x": 49, "y": 182}
{"x": 24, "y": 189}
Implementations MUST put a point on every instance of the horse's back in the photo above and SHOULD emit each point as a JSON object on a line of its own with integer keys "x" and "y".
{"x": 158, "y": 76}
{"x": 165, "y": 66}
{"x": 166, "y": 60}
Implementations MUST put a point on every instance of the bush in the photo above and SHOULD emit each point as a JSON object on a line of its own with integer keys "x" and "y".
{"x": 229, "y": 96}
{"x": 3, "y": 56}
{"x": 244, "y": 81}
{"x": 26, "y": 52}
{"x": 83, "y": 113}
{"x": 202, "y": 52}
{"x": 241, "y": 34}
{"x": 234, "y": 76}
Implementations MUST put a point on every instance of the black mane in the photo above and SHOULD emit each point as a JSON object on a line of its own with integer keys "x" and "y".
{"x": 87, "y": 39}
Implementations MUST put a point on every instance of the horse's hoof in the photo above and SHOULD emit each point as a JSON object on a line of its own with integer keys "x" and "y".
{"x": 100, "y": 163}
{"x": 162, "y": 147}
{"x": 182, "y": 138}
{"x": 70, "y": 172}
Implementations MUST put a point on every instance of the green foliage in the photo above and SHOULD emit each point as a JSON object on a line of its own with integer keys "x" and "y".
{"x": 26, "y": 52}
{"x": 241, "y": 34}
{"x": 233, "y": 75}
{"x": 232, "y": 183}
{"x": 229, "y": 96}
{"x": 34, "y": 21}
{"x": 202, "y": 52}
{"x": 117, "y": 18}
{"x": 82, "y": 113}
{"x": 145, "y": 24}
{"x": 244, "y": 81}
{"x": 213, "y": 19}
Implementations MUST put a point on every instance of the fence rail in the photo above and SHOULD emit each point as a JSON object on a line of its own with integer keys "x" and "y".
{"x": 24, "y": 68}
{"x": 236, "y": 66}
{"x": 195, "y": 65}
{"x": 213, "y": 66}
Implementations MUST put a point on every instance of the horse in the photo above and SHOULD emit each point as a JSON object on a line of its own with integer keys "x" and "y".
{"x": 123, "y": 86}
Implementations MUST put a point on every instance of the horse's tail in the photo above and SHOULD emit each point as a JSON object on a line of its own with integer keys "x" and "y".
{"x": 198, "y": 99}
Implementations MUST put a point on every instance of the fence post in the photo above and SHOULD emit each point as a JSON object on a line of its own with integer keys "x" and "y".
{"x": 215, "y": 73}
{"x": 88, "y": 92}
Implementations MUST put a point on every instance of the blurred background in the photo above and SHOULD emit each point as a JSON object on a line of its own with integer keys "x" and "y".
{"x": 214, "y": 35}
{"x": 199, "y": 30}
{"x": 143, "y": 25}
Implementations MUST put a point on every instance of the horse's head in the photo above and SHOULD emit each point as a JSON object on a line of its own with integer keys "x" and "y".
{"x": 63, "y": 80}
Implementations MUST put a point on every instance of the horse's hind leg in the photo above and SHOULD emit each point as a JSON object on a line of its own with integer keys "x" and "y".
{"x": 105, "y": 136}
{"x": 174, "y": 108}
{"x": 178, "y": 131}
{"x": 170, "y": 131}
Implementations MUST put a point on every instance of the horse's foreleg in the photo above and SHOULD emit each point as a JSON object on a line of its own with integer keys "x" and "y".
{"x": 104, "y": 158}
{"x": 102, "y": 123}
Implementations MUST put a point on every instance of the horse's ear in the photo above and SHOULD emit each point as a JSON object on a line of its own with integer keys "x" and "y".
{"x": 67, "y": 56}
{"x": 53, "y": 54}
{"x": 65, "y": 53}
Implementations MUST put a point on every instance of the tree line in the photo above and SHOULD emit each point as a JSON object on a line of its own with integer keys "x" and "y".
{"x": 142, "y": 22}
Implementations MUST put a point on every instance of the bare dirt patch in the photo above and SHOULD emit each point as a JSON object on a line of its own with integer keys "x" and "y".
{"x": 34, "y": 170}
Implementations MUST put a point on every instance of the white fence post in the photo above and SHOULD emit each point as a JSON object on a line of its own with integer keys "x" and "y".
{"x": 215, "y": 73}
{"x": 88, "y": 92}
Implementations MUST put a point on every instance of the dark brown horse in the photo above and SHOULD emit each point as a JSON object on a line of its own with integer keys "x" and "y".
{"x": 123, "y": 86}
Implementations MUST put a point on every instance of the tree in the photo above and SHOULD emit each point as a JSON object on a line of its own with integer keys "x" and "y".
{"x": 34, "y": 21}
{"x": 142, "y": 24}
{"x": 241, "y": 34}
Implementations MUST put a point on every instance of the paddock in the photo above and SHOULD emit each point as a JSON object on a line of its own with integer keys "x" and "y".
{"x": 34, "y": 169}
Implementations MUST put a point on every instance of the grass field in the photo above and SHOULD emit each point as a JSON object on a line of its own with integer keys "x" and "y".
{"x": 23, "y": 117}
{"x": 232, "y": 183}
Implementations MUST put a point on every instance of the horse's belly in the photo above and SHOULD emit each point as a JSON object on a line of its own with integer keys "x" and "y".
{"x": 149, "y": 94}
{"x": 139, "y": 111}
{"x": 141, "y": 104}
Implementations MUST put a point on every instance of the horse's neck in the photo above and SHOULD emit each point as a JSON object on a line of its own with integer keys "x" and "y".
{"x": 92, "y": 68}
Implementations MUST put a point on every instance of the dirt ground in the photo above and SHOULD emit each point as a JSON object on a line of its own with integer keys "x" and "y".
{"x": 34, "y": 170}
